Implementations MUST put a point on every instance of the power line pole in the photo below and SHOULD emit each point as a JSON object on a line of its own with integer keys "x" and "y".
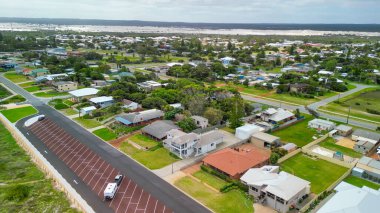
{"x": 348, "y": 115}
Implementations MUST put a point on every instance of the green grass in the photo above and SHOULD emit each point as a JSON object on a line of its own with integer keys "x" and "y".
{"x": 298, "y": 133}
{"x": 69, "y": 111}
{"x": 143, "y": 141}
{"x": 27, "y": 84}
{"x": 359, "y": 182}
{"x": 105, "y": 134}
{"x": 329, "y": 143}
{"x": 320, "y": 173}
{"x": 228, "y": 129}
{"x": 33, "y": 89}
{"x": 210, "y": 179}
{"x": 4, "y": 92}
{"x": 18, "y": 171}
{"x": 359, "y": 103}
{"x": 14, "y": 99}
{"x": 15, "y": 78}
{"x": 230, "y": 202}
{"x": 50, "y": 94}
{"x": 152, "y": 159}
{"x": 14, "y": 115}
{"x": 87, "y": 123}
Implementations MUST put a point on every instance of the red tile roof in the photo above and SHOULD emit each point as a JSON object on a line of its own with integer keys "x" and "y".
{"x": 234, "y": 162}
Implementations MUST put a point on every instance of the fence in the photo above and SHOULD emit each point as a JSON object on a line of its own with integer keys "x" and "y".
{"x": 75, "y": 199}
{"x": 289, "y": 155}
{"x": 289, "y": 123}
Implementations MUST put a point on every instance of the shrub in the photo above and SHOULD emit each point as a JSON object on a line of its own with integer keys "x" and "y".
{"x": 60, "y": 106}
{"x": 17, "y": 193}
{"x": 373, "y": 111}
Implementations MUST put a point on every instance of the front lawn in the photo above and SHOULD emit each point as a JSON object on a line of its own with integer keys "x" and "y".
{"x": 14, "y": 115}
{"x": 299, "y": 133}
{"x": 4, "y": 92}
{"x": 320, "y": 173}
{"x": 33, "y": 89}
{"x": 15, "y": 78}
{"x": 228, "y": 129}
{"x": 210, "y": 179}
{"x": 359, "y": 182}
{"x": 24, "y": 188}
{"x": 143, "y": 141}
{"x": 27, "y": 84}
{"x": 152, "y": 159}
{"x": 232, "y": 201}
{"x": 87, "y": 123}
{"x": 329, "y": 143}
{"x": 50, "y": 94}
{"x": 14, "y": 99}
{"x": 105, "y": 134}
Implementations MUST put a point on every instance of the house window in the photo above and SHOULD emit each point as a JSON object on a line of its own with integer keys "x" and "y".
{"x": 254, "y": 189}
{"x": 280, "y": 200}
{"x": 212, "y": 144}
{"x": 270, "y": 195}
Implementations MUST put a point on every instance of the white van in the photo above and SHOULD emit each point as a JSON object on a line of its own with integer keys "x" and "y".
{"x": 110, "y": 191}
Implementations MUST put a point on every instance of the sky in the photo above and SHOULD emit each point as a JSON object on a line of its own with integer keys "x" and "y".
{"x": 209, "y": 11}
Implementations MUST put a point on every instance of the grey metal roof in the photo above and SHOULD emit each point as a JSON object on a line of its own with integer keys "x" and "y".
{"x": 367, "y": 134}
{"x": 158, "y": 129}
{"x": 265, "y": 137}
{"x": 343, "y": 128}
{"x": 208, "y": 138}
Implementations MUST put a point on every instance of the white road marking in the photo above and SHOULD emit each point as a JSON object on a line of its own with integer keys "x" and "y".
{"x": 75, "y": 182}
{"x": 45, "y": 151}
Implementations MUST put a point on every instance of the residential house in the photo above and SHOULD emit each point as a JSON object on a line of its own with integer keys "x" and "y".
{"x": 27, "y": 71}
{"x": 143, "y": 117}
{"x": 264, "y": 140}
{"x": 102, "y": 101}
{"x": 181, "y": 143}
{"x": 278, "y": 190}
{"x": 149, "y": 85}
{"x": 158, "y": 129}
{"x": 363, "y": 146}
{"x": 208, "y": 142}
{"x": 85, "y": 93}
{"x": 321, "y": 124}
{"x": 127, "y": 104}
{"x": 100, "y": 83}
{"x": 49, "y": 79}
{"x": 200, "y": 121}
{"x": 235, "y": 162}
{"x": 363, "y": 135}
{"x": 350, "y": 198}
{"x": 366, "y": 167}
{"x": 226, "y": 61}
{"x": 39, "y": 72}
{"x": 299, "y": 87}
{"x": 277, "y": 116}
{"x": 87, "y": 110}
{"x": 64, "y": 86}
{"x": 186, "y": 145}
{"x": 246, "y": 131}
{"x": 343, "y": 130}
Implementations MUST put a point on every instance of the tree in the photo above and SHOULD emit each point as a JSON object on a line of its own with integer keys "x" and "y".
{"x": 187, "y": 124}
{"x": 1, "y": 37}
{"x": 153, "y": 102}
{"x": 246, "y": 82}
{"x": 196, "y": 104}
{"x": 213, "y": 115}
{"x": 237, "y": 112}
{"x": 274, "y": 158}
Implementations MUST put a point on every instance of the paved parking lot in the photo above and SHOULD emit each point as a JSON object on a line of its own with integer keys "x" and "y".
{"x": 94, "y": 171}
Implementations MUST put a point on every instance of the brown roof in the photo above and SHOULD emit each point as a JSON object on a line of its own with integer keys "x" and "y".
{"x": 234, "y": 162}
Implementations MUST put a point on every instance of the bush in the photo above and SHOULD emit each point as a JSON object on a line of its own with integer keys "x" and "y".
{"x": 17, "y": 193}
{"x": 60, "y": 106}
{"x": 373, "y": 111}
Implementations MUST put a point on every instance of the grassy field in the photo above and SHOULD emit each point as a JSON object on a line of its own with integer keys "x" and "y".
{"x": 87, "y": 123}
{"x": 359, "y": 182}
{"x": 210, "y": 179}
{"x": 280, "y": 97}
{"x": 359, "y": 103}
{"x": 23, "y": 186}
{"x": 69, "y": 111}
{"x": 230, "y": 202}
{"x": 14, "y": 115}
{"x": 15, "y": 78}
{"x": 143, "y": 141}
{"x": 152, "y": 159}
{"x": 50, "y": 94}
{"x": 4, "y": 92}
{"x": 320, "y": 173}
{"x": 299, "y": 133}
{"x": 33, "y": 89}
{"x": 27, "y": 84}
{"x": 105, "y": 134}
{"x": 329, "y": 143}
{"x": 14, "y": 99}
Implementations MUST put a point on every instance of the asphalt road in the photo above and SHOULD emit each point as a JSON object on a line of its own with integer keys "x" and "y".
{"x": 166, "y": 193}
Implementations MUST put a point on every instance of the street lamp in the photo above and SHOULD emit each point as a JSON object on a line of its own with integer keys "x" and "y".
{"x": 348, "y": 115}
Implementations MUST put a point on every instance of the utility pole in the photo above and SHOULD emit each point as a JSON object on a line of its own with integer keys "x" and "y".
{"x": 348, "y": 115}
